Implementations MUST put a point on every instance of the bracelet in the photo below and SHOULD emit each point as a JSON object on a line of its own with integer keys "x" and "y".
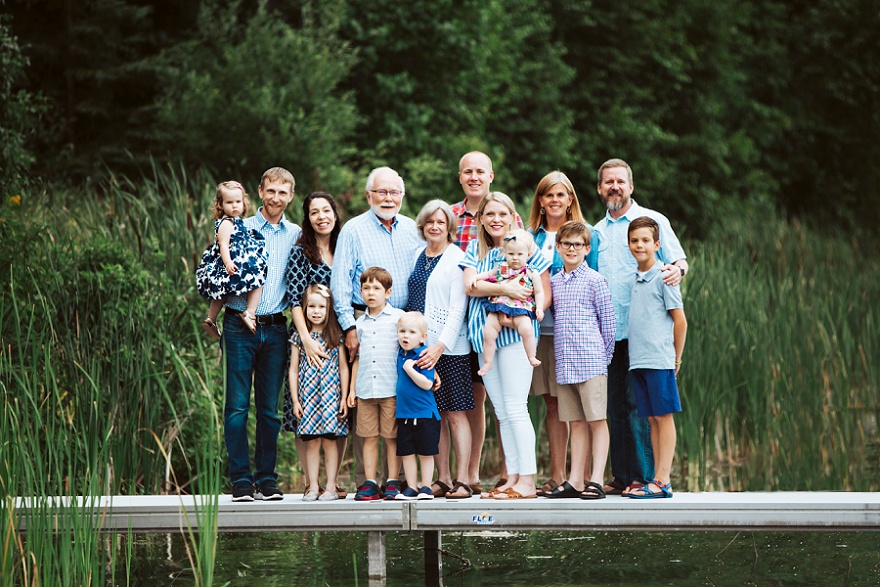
{"x": 678, "y": 363}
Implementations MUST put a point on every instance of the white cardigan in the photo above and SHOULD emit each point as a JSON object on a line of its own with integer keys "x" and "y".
{"x": 446, "y": 303}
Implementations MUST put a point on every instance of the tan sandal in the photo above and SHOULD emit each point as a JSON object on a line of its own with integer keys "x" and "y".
{"x": 211, "y": 328}
{"x": 249, "y": 321}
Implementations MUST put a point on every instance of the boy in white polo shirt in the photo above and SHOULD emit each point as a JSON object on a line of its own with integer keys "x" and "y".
{"x": 374, "y": 379}
{"x": 657, "y": 330}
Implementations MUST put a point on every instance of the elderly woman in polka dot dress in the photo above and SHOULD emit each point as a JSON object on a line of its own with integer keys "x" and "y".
{"x": 436, "y": 289}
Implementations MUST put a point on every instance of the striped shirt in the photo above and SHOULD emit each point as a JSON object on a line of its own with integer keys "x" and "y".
{"x": 476, "y": 310}
{"x": 279, "y": 239}
{"x": 377, "y": 358}
{"x": 365, "y": 242}
{"x": 583, "y": 340}
{"x": 467, "y": 225}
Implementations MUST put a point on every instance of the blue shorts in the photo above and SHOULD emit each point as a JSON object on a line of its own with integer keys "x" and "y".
{"x": 656, "y": 391}
{"x": 418, "y": 437}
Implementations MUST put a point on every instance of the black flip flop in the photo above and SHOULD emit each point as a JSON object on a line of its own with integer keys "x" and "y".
{"x": 616, "y": 489}
{"x": 592, "y": 490}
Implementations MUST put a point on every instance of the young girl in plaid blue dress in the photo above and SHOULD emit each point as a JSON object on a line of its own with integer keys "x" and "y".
{"x": 236, "y": 263}
{"x": 319, "y": 393}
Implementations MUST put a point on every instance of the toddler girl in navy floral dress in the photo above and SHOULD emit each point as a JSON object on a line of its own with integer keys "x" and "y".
{"x": 236, "y": 263}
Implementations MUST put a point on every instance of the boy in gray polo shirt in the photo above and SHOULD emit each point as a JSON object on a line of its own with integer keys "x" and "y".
{"x": 657, "y": 330}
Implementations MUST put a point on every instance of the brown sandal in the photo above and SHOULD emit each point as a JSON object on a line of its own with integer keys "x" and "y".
{"x": 211, "y": 328}
{"x": 443, "y": 488}
{"x": 547, "y": 488}
{"x": 456, "y": 486}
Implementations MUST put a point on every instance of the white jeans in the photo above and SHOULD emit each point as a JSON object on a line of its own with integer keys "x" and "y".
{"x": 507, "y": 385}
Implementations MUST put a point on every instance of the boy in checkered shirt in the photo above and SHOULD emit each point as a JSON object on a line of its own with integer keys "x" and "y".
{"x": 583, "y": 341}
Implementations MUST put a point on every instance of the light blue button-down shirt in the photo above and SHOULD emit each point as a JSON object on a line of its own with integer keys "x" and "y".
{"x": 377, "y": 367}
{"x": 618, "y": 265}
{"x": 279, "y": 239}
{"x": 365, "y": 242}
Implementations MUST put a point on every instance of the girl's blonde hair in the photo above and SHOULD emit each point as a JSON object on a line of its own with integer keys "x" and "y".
{"x": 520, "y": 236}
{"x": 228, "y": 186}
{"x": 332, "y": 330}
{"x": 484, "y": 239}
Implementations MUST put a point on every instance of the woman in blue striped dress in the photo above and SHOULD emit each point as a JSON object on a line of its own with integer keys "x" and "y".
{"x": 508, "y": 383}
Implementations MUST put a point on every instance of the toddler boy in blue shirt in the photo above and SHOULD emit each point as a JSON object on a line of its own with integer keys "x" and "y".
{"x": 418, "y": 419}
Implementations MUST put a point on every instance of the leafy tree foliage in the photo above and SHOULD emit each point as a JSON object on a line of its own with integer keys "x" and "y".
{"x": 754, "y": 101}
{"x": 19, "y": 113}
{"x": 437, "y": 79}
{"x": 251, "y": 92}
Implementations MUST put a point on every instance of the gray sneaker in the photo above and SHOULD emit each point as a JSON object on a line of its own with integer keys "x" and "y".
{"x": 328, "y": 496}
{"x": 310, "y": 496}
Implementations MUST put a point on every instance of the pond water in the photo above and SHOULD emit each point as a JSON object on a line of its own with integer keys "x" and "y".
{"x": 514, "y": 559}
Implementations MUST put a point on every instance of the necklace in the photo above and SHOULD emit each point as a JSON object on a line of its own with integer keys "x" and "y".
{"x": 431, "y": 261}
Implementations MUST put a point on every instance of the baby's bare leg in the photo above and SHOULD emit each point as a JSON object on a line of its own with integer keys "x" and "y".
{"x": 490, "y": 334}
{"x": 530, "y": 343}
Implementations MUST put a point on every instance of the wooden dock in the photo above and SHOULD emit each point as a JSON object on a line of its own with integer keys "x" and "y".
{"x": 789, "y": 511}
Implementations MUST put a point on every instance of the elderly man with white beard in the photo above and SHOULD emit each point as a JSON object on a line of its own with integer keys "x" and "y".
{"x": 380, "y": 237}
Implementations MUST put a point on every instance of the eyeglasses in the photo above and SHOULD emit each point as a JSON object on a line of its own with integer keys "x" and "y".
{"x": 383, "y": 193}
{"x": 571, "y": 245}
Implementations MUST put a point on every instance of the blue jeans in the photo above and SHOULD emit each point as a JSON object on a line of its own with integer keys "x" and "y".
{"x": 632, "y": 458}
{"x": 261, "y": 358}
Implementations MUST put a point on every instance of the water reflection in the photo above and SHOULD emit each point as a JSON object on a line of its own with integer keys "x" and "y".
{"x": 545, "y": 559}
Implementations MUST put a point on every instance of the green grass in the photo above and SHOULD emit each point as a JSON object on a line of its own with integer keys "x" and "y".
{"x": 109, "y": 385}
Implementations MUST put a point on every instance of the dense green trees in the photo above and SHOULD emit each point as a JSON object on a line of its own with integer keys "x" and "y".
{"x": 751, "y": 101}
{"x": 249, "y": 91}
{"x": 19, "y": 113}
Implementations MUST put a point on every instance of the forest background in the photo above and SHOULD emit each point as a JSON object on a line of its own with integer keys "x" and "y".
{"x": 753, "y": 125}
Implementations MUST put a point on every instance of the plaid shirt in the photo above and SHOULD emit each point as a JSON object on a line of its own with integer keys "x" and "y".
{"x": 583, "y": 335}
{"x": 467, "y": 225}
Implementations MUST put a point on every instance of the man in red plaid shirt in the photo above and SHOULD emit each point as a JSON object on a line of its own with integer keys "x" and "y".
{"x": 475, "y": 175}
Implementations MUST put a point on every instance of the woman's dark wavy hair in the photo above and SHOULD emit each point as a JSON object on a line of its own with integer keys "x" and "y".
{"x": 307, "y": 240}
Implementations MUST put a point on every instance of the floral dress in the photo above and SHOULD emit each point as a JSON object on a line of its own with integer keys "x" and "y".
{"x": 248, "y": 252}
{"x": 320, "y": 391}
{"x": 511, "y": 306}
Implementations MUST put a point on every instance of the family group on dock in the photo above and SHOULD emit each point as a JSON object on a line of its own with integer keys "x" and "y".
{"x": 402, "y": 327}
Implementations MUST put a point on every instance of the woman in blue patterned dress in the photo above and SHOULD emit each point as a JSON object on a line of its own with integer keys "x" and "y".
{"x": 236, "y": 263}
{"x": 319, "y": 393}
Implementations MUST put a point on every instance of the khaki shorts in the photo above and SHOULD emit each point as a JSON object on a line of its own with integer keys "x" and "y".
{"x": 544, "y": 375}
{"x": 587, "y": 401}
{"x": 376, "y": 417}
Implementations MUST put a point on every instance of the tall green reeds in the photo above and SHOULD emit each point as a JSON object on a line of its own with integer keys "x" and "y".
{"x": 107, "y": 387}
{"x": 780, "y": 378}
